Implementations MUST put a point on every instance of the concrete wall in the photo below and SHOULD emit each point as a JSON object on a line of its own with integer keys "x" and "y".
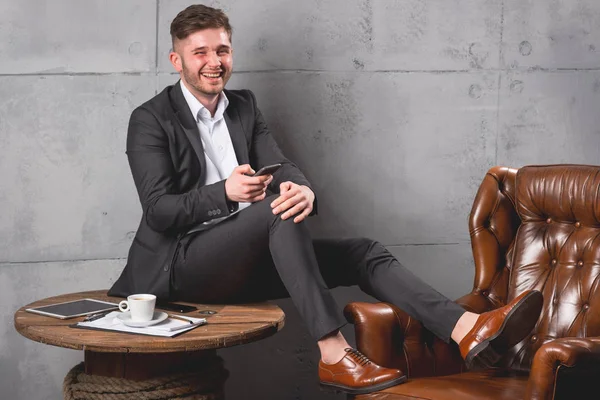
{"x": 394, "y": 110}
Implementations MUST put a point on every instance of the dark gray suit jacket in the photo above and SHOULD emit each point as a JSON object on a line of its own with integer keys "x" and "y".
{"x": 167, "y": 162}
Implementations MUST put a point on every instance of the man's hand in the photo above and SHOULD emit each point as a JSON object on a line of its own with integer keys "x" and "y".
{"x": 293, "y": 199}
{"x": 240, "y": 187}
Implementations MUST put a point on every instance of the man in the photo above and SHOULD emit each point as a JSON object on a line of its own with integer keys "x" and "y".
{"x": 211, "y": 233}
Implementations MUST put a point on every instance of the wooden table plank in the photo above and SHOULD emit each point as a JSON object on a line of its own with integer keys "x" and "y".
{"x": 231, "y": 326}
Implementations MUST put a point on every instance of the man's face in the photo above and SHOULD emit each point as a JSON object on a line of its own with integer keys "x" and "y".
{"x": 204, "y": 61}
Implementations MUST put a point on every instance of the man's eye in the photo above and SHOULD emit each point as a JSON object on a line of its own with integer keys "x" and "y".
{"x": 200, "y": 53}
{"x": 224, "y": 51}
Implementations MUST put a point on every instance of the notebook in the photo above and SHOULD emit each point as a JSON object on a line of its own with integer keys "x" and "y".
{"x": 170, "y": 327}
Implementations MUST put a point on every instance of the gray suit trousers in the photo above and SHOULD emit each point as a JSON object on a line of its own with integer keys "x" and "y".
{"x": 255, "y": 256}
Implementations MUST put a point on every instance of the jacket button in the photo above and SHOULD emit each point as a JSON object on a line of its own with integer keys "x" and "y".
{"x": 586, "y": 306}
{"x": 580, "y": 263}
{"x": 549, "y": 221}
{"x": 554, "y": 261}
{"x": 166, "y": 267}
{"x": 577, "y": 224}
{"x": 533, "y": 338}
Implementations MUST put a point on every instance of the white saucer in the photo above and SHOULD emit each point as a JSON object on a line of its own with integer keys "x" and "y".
{"x": 158, "y": 316}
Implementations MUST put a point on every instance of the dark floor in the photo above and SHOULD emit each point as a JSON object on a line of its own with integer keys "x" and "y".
{"x": 284, "y": 366}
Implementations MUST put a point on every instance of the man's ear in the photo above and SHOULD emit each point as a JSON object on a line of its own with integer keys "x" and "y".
{"x": 175, "y": 61}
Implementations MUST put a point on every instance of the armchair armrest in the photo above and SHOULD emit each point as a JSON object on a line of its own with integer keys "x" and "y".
{"x": 392, "y": 338}
{"x": 557, "y": 355}
{"x": 478, "y": 302}
{"x": 378, "y": 331}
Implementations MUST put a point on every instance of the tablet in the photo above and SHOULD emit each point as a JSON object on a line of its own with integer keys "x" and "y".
{"x": 75, "y": 308}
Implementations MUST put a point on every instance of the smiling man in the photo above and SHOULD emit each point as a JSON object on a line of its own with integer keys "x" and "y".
{"x": 204, "y": 60}
{"x": 211, "y": 232}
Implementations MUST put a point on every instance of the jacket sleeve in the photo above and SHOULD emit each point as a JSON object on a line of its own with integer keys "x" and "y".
{"x": 165, "y": 208}
{"x": 265, "y": 151}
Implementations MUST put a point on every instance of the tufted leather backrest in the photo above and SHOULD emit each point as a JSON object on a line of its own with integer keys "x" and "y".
{"x": 493, "y": 224}
{"x": 539, "y": 228}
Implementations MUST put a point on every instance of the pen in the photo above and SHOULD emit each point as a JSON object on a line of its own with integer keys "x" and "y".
{"x": 180, "y": 318}
{"x": 96, "y": 316}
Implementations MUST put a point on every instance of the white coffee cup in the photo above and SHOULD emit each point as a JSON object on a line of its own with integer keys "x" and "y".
{"x": 141, "y": 306}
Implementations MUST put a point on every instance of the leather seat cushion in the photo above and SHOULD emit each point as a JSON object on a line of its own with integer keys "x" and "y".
{"x": 471, "y": 385}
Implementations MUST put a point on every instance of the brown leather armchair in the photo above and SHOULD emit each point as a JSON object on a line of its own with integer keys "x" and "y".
{"x": 537, "y": 227}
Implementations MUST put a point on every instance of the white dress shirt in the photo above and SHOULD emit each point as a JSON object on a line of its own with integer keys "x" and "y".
{"x": 219, "y": 153}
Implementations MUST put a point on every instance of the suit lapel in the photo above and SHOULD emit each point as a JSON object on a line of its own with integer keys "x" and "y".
{"x": 236, "y": 131}
{"x": 188, "y": 123}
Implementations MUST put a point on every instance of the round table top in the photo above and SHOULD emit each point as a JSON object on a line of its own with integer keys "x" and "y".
{"x": 231, "y": 325}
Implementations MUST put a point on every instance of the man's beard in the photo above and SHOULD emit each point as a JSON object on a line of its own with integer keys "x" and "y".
{"x": 194, "y": 79}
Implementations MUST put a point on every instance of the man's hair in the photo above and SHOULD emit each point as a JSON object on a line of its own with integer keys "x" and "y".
{"x": 196, "y": 18}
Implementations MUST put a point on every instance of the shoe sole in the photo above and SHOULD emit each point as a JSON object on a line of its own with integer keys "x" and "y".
{"x": 363, "y": 390}
{"x": 518, "y": 323}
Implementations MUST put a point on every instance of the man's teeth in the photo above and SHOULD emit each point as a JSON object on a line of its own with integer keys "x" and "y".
{"x": 212, "y": 75}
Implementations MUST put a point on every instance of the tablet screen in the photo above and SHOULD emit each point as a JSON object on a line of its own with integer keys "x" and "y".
{"x": 74, "y": 308}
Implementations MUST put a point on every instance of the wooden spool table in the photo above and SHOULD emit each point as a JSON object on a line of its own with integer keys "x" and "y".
{"x": 141, "y": 357}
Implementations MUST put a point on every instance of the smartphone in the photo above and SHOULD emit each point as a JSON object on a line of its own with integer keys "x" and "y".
{"x": 182, "y": 308}
{"x": 268, "y": 170}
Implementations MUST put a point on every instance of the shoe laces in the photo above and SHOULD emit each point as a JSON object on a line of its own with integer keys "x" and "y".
{"x": 358, "y": 356}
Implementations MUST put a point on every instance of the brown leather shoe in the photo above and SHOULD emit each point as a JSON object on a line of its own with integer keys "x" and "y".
{"x": 497, "y": 331}
{"x": 356, "y": 374}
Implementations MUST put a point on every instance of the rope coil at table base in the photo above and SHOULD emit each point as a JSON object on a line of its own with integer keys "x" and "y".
{"x": 201, "y": 384}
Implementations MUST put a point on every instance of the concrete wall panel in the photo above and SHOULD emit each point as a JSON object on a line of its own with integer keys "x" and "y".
{"x": 383, "y": 144}
{"x": 77, "y": 36}
{"x": 430, "y": 35}
{"x": 548, "y": 118}
{"x": 551, "y": 34}
{"x": 360, "y": 35}
{"x": 68, "y": 193}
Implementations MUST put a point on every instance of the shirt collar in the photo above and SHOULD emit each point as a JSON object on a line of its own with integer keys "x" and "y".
{"x": 198, "y": 110}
